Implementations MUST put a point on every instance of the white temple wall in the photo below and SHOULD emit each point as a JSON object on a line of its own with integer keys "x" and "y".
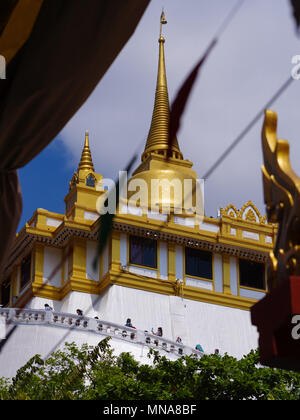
{"x": 179, "y": 262}
{"x": 218, "y": 273}
{"x": 212, "y": 326}
{"x": 52, "y": 257}
{"x": 163, "y": 260}
{"x": 233, "y": 276}
{"x": 105, "y": 259}
{"x": 91, "y": 252}
{"x": 123, "y": 249}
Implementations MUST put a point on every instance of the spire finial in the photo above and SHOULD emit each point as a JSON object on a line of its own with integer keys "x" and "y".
{"x": 162, "y": 22}
{"x": 86, "y": 142}
{"x": 86, "y": 162}
{"x": 158, "y": 136}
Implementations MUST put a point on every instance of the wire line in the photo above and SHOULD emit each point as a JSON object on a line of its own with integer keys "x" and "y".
{"x": 247, "y": 128}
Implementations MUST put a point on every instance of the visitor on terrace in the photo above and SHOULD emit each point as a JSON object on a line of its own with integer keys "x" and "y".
{"x": 217, "y": 352}
{"x": 159, "y": 332}
{"x": 199, "y": 348}
{"x": 129, "y": 323}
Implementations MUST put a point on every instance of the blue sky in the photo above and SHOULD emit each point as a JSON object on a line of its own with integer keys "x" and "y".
{"x": 45, "y": 180}
{"x": 250, "y": 62}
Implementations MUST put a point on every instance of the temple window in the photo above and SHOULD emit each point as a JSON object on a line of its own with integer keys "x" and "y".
{"x": 5, "y": 292}
{"x": 143, "y": 251}
{"x": 90, "y": 181}
{"x": 25, "y": 270}
{"x": 198, "y": 263}
{"x": 252, "y": 274}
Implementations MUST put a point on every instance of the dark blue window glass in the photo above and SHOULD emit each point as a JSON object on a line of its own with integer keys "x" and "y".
{"x": 198, "y": 263}
{"x": 25, "y": 270}
{"x": 252, "y": 274}
{"x": 90, "y": 181}
{"x": 143, "y": 251}
{"x": 5, "y": 292}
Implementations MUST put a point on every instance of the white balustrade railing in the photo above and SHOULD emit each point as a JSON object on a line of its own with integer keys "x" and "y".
{"x": 66, "y": 320}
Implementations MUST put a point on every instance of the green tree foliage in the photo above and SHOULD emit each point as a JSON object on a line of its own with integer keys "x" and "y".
{"x": 95, "y": 373}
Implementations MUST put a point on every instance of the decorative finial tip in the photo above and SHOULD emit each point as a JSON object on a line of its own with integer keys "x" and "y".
{"x": 163, "y": 18}
{"x": 162, "y": 22}
{"x": 86, "y": 138}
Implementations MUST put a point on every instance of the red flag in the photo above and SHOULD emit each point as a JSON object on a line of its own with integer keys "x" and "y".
{"x": 182, "y": 96}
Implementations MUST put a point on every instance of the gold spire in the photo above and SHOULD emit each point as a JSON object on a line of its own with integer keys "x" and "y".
{"x": 86, "y": 162}
{"x": 157, "y": 141}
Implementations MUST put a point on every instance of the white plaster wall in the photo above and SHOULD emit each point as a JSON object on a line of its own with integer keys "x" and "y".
{"x": 202, "y": 284}
{"x": 90, "y": 215}
{"x": 52, "y": 257}
{"x": 233, "y": 276}
{"x": 147, "y": 272}
{"x": 213, "y": 326}
{"x": 123, "y": 249}
{"x": 163, "y": 260}
{"x": 91, "y": 252}
{"x": 53, "y": 222}
{"x": 179, "y": 262}
{"x": 252, "y": 294}
{"x": 78, "y": 300}
{"x": 66, "y": 270}
{"x": 74, "y": 300}
{"x": 184, "y": 221}
{"x": 209, "y": 227}
{"x": 105, "y": 258}
{"x": 250, "y": 235}
{"x": 178, "y": 319}
{"x": 146, "y": 309}
{"x": 218, "y": 273}
{"x": 157, "y": 216}
{"x": 38, "y": 303}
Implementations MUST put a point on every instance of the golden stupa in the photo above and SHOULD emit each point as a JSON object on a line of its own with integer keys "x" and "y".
{"x": 163, "y": 165}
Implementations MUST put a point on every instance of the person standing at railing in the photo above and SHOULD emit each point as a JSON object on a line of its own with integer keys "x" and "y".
{"x": 129, "y": 323}
{"x": 80, "y": 314}
{"x": 199, "y": 348}
{"x": 159, "y": 332}
{"x": 48, "y": 309}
